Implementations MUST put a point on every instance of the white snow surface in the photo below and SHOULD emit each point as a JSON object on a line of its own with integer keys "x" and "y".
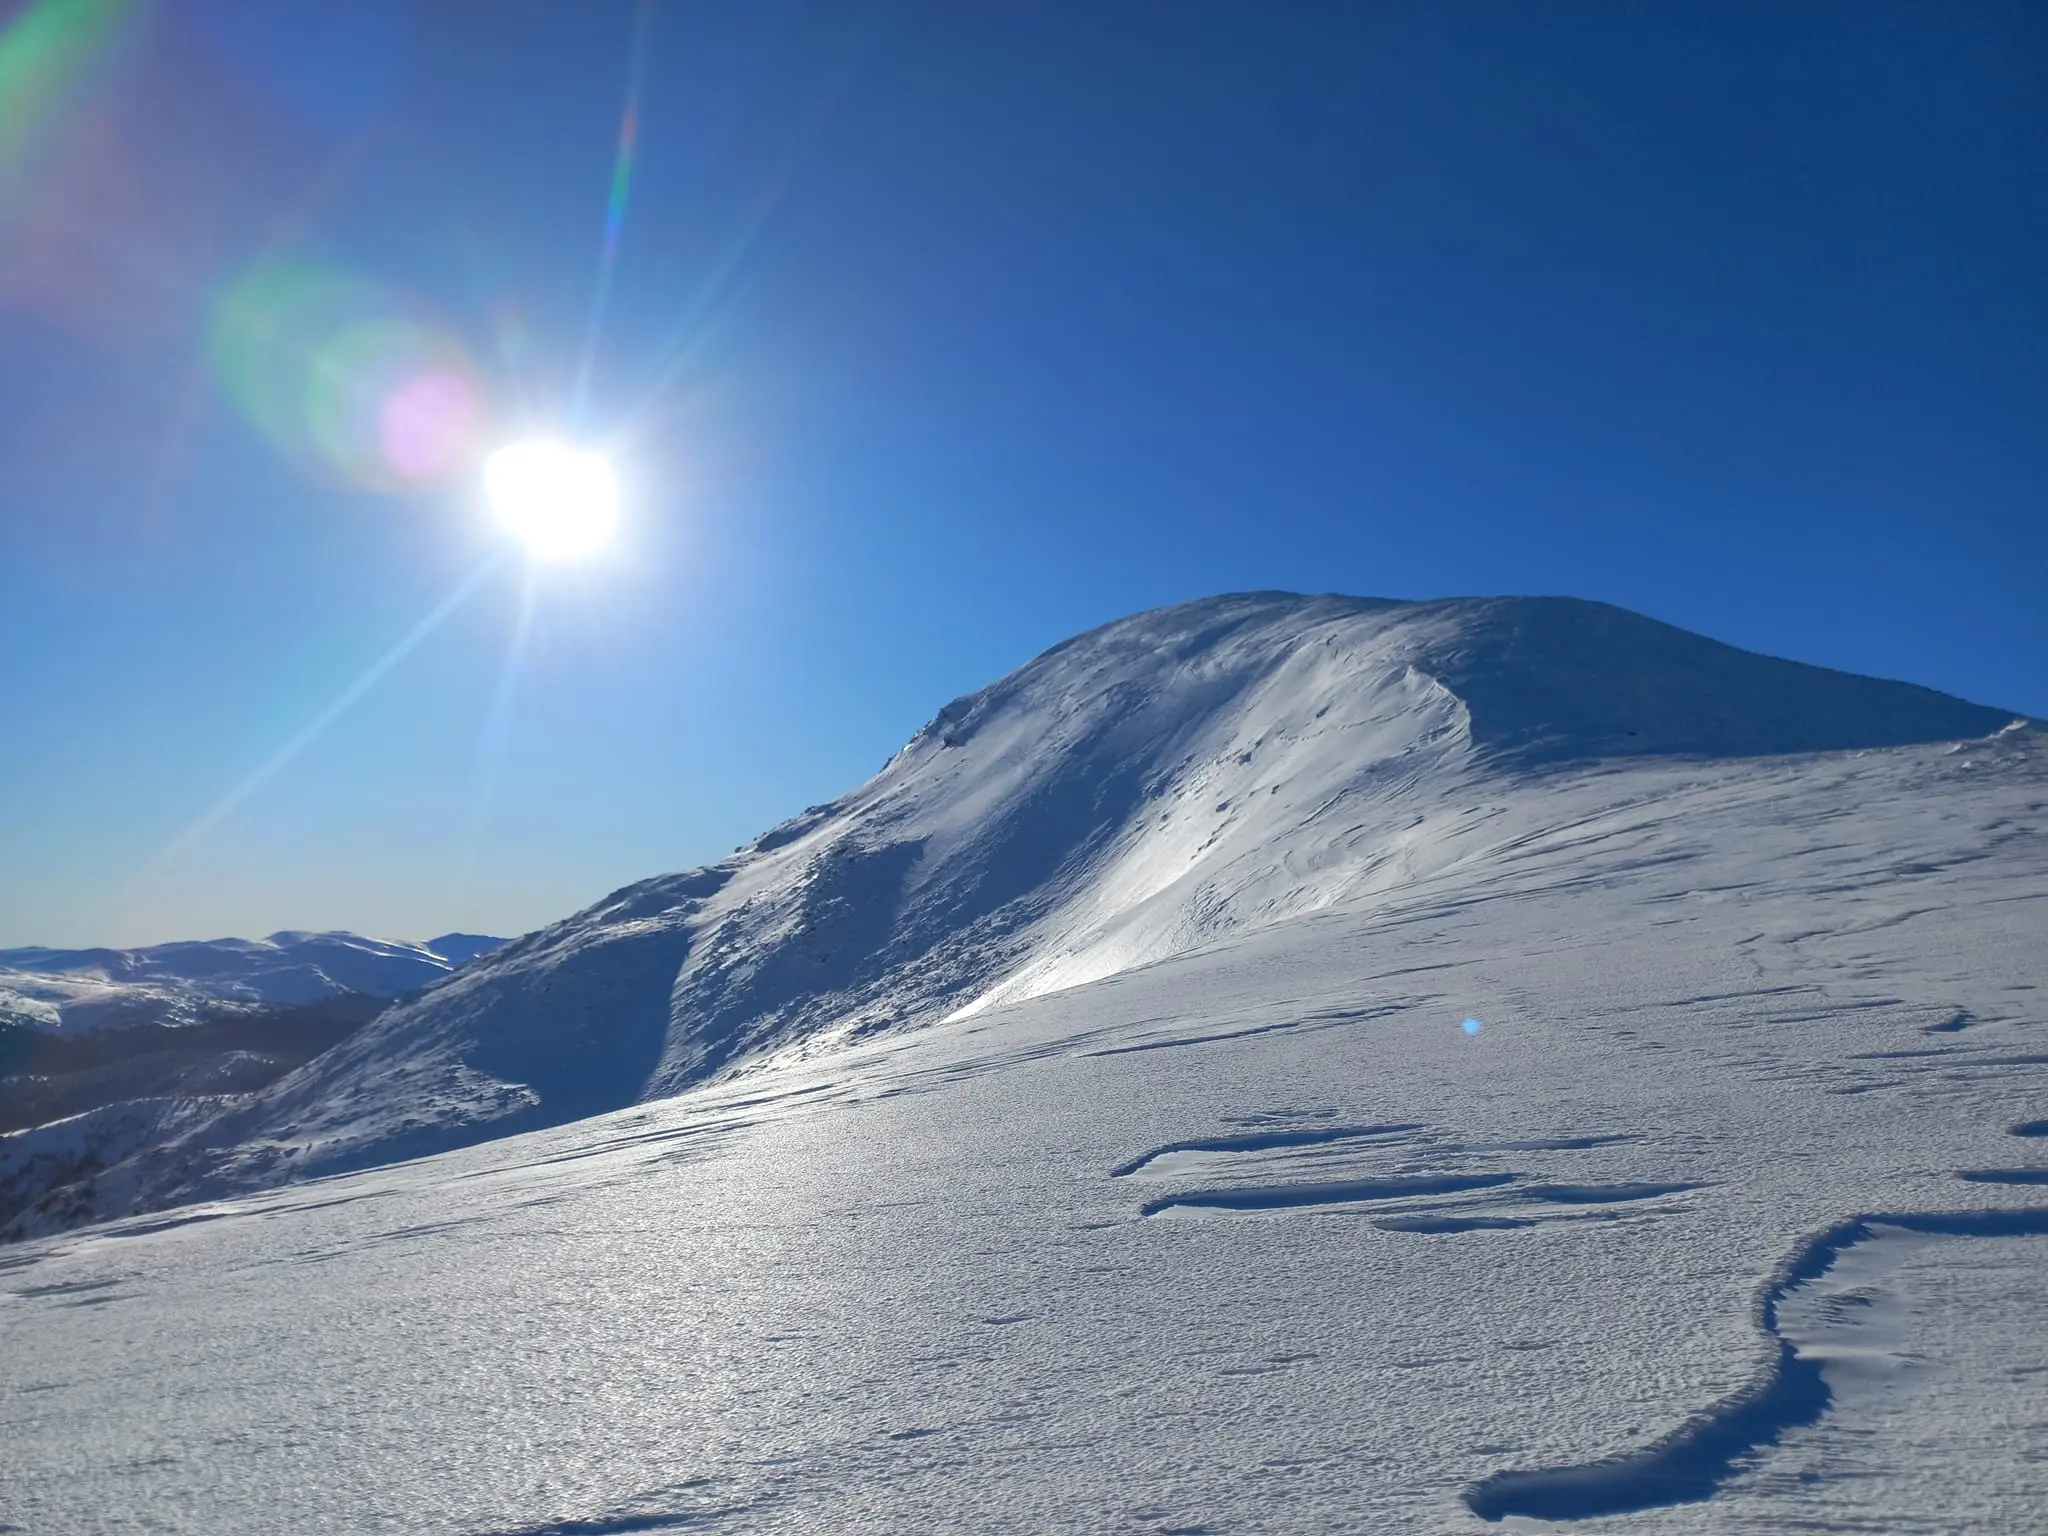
{"x": 1076, "y": 1130}
{"x": 75, "y": 990}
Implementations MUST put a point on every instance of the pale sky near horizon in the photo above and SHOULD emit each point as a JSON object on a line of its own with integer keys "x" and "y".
{"x": 922, "y": 337}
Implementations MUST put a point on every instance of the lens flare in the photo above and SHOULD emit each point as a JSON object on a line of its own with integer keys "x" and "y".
{"x": 340, "y": 375}
{"x": 425, "y": 423}
{"x": 616, "y": 205}
{"x": 47, "y": 52}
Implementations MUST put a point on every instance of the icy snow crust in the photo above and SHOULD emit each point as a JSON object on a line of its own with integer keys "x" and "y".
{"x": 1190, "y": 1206}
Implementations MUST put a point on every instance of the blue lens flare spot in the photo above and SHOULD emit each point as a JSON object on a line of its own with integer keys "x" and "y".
{"x": 1473, "y": 1026}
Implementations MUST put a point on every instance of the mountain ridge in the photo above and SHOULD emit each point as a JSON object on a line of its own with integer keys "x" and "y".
{"x": 102, "y": 986}
{"x": 1131, "y": 794}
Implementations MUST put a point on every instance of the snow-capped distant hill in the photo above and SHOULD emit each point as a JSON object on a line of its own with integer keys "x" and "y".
{"x": 104, "y": 1052}
{"x": 1134, "y": 794}
{"x": 75, "y": 989}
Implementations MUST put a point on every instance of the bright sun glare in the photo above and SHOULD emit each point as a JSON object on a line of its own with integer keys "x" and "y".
{"x": 559, "y": 502}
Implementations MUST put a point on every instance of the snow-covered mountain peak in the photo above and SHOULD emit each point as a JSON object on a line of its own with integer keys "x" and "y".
{"x": 1539, "y": 678}
{"x": 1137, "y": 793}
{"x": 1226, "y": 763}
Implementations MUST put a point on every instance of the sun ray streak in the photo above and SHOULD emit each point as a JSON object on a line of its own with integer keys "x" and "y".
{"x": 311, "y": 731}
{"x": 715, "y": 297}
{"x": 730, "y": 276}
{"x": 616, "y": 205}
{"x": 497, "y": 733}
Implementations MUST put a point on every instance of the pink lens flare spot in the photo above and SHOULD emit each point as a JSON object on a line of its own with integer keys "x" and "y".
{"x": 428, "y": 424}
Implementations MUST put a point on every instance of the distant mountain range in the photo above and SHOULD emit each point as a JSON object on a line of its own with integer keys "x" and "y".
{"x": 106, "y": 1052}
{"x": 69, "y": 990}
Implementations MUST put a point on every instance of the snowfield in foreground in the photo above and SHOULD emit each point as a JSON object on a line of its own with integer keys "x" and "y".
{"x": 1189, "y": 1205}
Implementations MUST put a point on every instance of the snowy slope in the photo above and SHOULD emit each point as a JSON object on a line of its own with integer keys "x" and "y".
{"x": 1135, "y": 794}
{"x": 1731, "y": 1218}
{"x": 82, "y": 989}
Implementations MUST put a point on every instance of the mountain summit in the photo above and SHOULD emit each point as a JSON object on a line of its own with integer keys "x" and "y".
{"x": 1133, "y": 794}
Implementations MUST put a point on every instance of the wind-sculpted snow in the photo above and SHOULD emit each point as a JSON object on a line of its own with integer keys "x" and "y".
{"x": 2004, "y": 1175}
{"x": 1403, "y": 1167}
{"x": 1274, "y": 1197}
{"x": 1600, "y": 1194}
{"x": 1263, "y": 1141}
{"x": 1139, "y": 792}
{"x": 1689, "y": 1464}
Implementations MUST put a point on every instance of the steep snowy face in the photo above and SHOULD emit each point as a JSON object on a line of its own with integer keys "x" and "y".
{"x": 1160, "y": 782}
{"x": 1132, "y": 795}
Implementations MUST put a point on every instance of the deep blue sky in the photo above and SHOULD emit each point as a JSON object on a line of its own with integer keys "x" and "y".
{"x": 938, "y": 333}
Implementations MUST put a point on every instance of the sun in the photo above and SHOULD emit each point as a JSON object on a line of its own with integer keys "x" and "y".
{"x": 560, "y": 502}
